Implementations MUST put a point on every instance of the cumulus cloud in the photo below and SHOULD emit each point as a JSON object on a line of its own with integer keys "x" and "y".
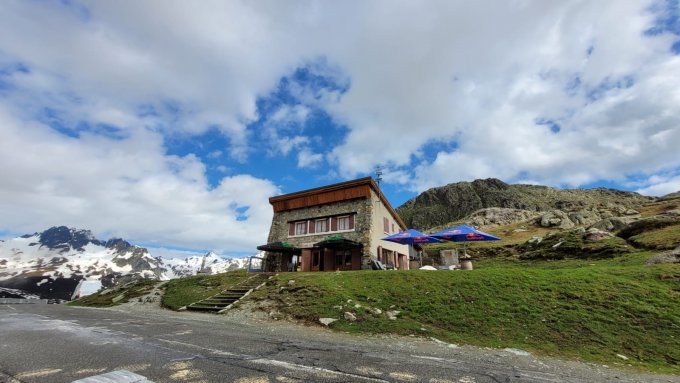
{"x": 661, "y": 185}
{"x": 484, "y": 77}
{"x": 308, "y": 159}
{"x": 562, "y": 93}
{"x": 125, "y": 187}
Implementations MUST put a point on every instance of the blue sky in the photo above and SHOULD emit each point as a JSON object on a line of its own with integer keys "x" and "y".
{"x": 170, "y": 124}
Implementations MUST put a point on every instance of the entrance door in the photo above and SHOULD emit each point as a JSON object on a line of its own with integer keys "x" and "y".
{"x": 317, "y": 260}
{"x": 343, "y": 259}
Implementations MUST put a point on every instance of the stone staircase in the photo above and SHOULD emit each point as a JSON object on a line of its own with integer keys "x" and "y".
{"x": 223, "y": 301}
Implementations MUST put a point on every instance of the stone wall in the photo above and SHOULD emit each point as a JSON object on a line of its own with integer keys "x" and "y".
{"x": 362, "y": 225}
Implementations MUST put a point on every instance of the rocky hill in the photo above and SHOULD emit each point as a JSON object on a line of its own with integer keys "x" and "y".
{"x": 56, "y": 263}
{"x": 568, "y": 207}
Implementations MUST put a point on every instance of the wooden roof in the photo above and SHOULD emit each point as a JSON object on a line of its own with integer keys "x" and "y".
{"x": 344, "y": 191}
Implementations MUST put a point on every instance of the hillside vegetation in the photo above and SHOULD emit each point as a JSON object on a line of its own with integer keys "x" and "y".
{"x": 589, "y": 310}
{"x": 584, "y": 293}
{"x": 592, "y": 278}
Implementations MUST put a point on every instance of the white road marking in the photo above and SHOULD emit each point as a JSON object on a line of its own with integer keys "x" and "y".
{"x": 120, "y": 376}
{"x": 278, "y": 363}
{"x": 10, "y": 307}
{"x": 38, "y": 373}
{"x": 312, "y": 369}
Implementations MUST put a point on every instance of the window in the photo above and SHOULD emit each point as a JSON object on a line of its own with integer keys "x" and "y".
{"x": 316, "y": 256}
{"x": 393, "y": 228}
{"x": 386, "y": 225}
{"x": 300, "y": 228}
{"x": 343, "y": 258}
{"x": 321, "y": 225}
{"x": 343, "y": 223}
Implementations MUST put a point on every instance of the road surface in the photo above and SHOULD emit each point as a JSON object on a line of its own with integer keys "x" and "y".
{"x": 56, "y": 343}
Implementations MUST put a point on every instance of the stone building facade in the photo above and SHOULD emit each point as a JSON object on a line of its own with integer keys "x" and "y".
{"x": 335, "y": 227}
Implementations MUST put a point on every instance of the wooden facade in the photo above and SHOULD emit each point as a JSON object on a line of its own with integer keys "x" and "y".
{"x": 344, "y": 191}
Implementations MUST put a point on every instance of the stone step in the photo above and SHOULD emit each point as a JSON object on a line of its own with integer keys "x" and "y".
{"x": 223, "y": 302}
{"x": 199, "y": 307}
{"x": 230, "y": 296}
{"x": 220, "y": 301}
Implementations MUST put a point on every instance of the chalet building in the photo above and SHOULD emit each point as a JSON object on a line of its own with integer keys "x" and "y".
{"x": 334, "y": 227}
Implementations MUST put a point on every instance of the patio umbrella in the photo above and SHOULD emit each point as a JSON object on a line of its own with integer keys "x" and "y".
{"x": 338, "y": 242}
{"x": 411, "y": 237}
{"x": 280, "y": 247}
{"x": 464, "y": 233}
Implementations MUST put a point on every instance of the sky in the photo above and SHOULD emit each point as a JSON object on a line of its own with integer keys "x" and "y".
{"x": 171, "y": 123}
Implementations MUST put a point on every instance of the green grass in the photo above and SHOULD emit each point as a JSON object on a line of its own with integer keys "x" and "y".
{"x": 572, "y": 245}
{"x": 118, "y": 295}
{"x": 589, "y": 310}
{"x": 665, "y": 238}
{"x": 183, "y": 291}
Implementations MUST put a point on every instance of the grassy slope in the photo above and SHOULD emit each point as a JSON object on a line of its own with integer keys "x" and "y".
{"x": 664, "y": 238}
{"x": 591, "y": 310}
{"x": 183, "y": 291}
{"x": 128, "y": 291}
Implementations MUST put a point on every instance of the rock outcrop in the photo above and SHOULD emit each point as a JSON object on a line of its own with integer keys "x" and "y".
{"x": 582, "y": 207}
{"x": 499, "y": 216}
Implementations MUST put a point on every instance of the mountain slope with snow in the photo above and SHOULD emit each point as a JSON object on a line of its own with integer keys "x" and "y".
{"x": 53, "y": 263}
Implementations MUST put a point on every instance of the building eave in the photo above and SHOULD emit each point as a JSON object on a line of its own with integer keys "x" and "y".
{"x": 340, "y": 186}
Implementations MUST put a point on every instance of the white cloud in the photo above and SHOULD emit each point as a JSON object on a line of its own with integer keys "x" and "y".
{"x": 474, "y": 75}
{"x": 127, "y": 188}
{"x": 661, "y": 186}
{"x": 308, "y": 159}
{"x": 484, "y": 74}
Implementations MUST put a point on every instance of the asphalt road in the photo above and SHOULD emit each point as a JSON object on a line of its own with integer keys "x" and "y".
{"x": 56, "y": 343}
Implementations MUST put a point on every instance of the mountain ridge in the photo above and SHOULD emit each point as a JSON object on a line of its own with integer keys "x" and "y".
{"x": 53, "y": 263}
{"x": 444, "y": 204}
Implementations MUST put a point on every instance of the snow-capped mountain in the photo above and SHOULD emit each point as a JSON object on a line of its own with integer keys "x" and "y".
{"x": 209, "y": 263}
{"x": 53, "y": 263}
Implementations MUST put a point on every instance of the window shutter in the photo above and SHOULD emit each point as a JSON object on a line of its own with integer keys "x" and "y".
{"x": 334, "y": 224}
{"x": 386, "y": 225}
{"x": 312, "y": 226}
{"x": 291, "y": 228}
{"x": 351, "y": 221}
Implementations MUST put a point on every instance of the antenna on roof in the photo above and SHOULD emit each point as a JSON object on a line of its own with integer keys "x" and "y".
{"x": 378, "y": 175}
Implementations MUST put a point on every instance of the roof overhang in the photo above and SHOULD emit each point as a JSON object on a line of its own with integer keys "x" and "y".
{"x": 359, "y": 188}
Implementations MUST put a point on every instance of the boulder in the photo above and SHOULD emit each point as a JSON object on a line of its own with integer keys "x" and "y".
{"x": 498, "y": 216}
{"x": 535, "y": 240}
{"x": 392, "y": 315}
{"x": 672, "y": 256}
{"x": 584, "y": 217}
{"x": 672, "y": 213}
{"x": 556, "y": 218}
{"x": 350, "y": 317}
{"x": 613, "y": 224}
{"x": 594, "y": 234}
{"x": 327, "y": 321}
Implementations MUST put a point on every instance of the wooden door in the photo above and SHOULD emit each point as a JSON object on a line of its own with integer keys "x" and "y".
{"x": 317, "y": 259}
